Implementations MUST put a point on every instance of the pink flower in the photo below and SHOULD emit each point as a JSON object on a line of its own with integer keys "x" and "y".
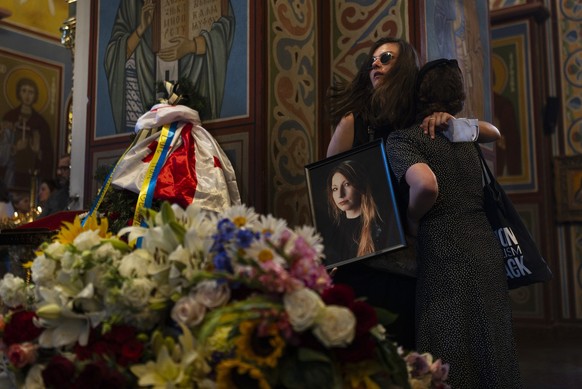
{"x": 276, "y": 279}
{"x": 211, "y": 293}
{"x": 418, "y": 363}
{"x": 440, "y": 371}
{"x": 313, "y": 276}
{"x": 188, "y": 311}
{"x": 22, "y": 354}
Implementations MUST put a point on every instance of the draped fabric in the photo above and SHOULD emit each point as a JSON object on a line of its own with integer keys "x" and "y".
{"x": 194, "y": 170}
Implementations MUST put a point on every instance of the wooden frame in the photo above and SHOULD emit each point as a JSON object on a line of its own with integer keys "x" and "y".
{"x": 40, "y": 134}
{"x": 229, "y": 73}
{"x": 366, "y": 170}
{"x": 513, "y": 98}
{"x": 236, "y": 148}
{"x": 568, "y": 177}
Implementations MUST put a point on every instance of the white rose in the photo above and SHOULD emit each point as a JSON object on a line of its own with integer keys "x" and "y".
{"x": 43, "y": 270}
{"x": 302, "y": 306}
{"x": 68, "y": 261}
{"x": 135, "y": 264}
{"x": 335, "y": 326}
{"x": 188, "y": 311}
{"x": 55, "y": 249}
{"x": 34, "y": 378}
{"x": 212, "y": 293}
{"x": 13, "y": 290}
{"x": 106, "y": 251}
{"x": 136, "y": 292}
{"x": 87, "y": 239}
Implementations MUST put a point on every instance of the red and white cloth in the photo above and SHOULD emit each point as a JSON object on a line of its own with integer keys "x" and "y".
{"x": 195, "y": 169}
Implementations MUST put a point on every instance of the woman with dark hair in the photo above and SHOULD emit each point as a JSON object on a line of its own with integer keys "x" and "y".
{"x": 462, "y": 302}
{"x": 45, "y": 189}
{"x": 358, "y": 227}
{"x": 367, "y": 108}
{"x": 358, "y": 118}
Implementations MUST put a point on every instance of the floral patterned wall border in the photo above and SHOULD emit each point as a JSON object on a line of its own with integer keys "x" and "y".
{"x": 569, "y": 17}
{"x": 292, "y": 104}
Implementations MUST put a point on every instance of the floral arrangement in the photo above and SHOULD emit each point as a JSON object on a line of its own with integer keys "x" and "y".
{"x": 196, "y": 300}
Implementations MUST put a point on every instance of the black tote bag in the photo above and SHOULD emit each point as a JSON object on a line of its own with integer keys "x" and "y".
{"x": 524, "y": 263}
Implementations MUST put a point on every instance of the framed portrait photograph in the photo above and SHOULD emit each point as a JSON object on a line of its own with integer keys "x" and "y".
{"x": 353, "y": 205}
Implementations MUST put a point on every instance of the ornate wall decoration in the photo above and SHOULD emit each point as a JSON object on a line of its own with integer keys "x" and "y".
{"x": 569, "y": 18}
{"x": 292, "y": 106}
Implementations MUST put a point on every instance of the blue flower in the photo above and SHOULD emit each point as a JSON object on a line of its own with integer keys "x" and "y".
{"x": 245, "y": 237}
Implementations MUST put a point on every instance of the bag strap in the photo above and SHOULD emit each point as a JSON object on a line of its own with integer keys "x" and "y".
{"x": 487, "y": 173}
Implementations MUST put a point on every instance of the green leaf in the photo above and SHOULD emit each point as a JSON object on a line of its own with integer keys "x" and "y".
{"x": 309, "y": 369}
{"x": 385, "y": 317}
{"x": 394, "y": 363}
{"x": 167, "y": 213}
{"x": 235, "y": 313}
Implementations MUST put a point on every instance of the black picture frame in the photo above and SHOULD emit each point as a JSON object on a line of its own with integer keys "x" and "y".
{"x": 373, "y": 166}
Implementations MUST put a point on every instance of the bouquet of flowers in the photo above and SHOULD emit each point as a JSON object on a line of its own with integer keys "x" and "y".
{"x": 196, "y": 300}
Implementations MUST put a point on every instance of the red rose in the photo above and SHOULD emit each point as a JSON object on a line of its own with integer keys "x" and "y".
{"x": 104, "y": 348}
{"x": 366, "y": 317}
{"x": 22, "y": 354}
{"x": 360, "y": 349}
{"x": 58, "y": 373}
{"x": 99, "y": 375}
{"x": 20, "y": 328}
{"x": 120, "y": 334}
{"x": 339, "y": 294}
{"x": 131, "y": 352}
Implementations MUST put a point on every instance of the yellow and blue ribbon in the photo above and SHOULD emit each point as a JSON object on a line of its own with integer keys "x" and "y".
{"x": 146, "y": 194}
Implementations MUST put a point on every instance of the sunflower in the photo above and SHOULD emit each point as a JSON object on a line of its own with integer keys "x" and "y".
{"x": 261, "y": 345}
{"x": 236, "y": 374}
{"x": 70, "y": 231}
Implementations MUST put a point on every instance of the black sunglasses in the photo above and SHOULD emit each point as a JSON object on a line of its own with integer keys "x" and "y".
{"x": 384, "y": 58}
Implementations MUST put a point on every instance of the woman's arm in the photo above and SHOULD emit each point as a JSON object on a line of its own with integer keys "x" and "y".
{"x": 439, "y": 121}
{"x": 488, "y": 132}
{"x": 423, "y": 193}
{"x": 343, "y": 136}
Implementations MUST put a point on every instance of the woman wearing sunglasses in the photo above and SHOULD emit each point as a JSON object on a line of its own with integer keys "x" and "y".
{"x": 391, "y": 62}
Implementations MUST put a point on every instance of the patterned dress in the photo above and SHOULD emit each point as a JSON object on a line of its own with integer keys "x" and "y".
{"x": 462, "y": 302}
